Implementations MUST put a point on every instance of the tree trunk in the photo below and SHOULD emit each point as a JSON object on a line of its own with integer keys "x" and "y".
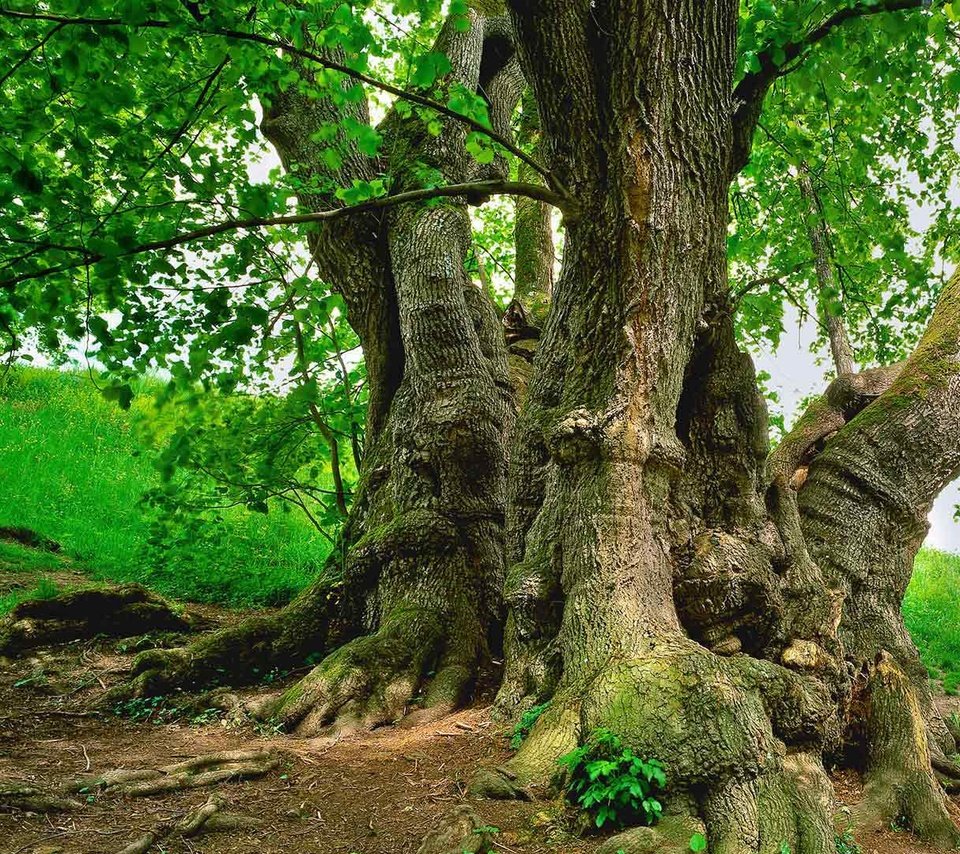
{"x": 408, "y": 608}
{"x": 729, "y": 614}
{"x": 657, "y": 585}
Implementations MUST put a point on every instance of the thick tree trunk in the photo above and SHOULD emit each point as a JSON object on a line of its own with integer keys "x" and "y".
{"x": 656, "y": 586}
{"x": 728, "y": 614}
{"x": 408, "y": 607}
{"x": 863, "y": 509}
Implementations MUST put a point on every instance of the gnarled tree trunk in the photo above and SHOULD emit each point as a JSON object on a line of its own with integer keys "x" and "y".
{"x": 728, "y": 614}
{"x": 408, "y": 607}
{"x": 660, "y": 585}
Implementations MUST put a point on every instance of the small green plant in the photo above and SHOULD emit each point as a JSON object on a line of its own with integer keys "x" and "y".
{"x": 698, "y": 843}
{"x": 846, "y": 844}
{"x": 37, "y": 679}
{"x": 522, "y": 728}
{"x": 784, "y": 847}
{"x": 899, "y": 824}
{"x": 144, "y": 709}
{"x": 207, "y": 716}
{"x": 611, "y": 783}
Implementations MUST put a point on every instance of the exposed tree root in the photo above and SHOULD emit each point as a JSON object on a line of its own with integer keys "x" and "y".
{"x": 461, "y": 832}
{"x": 21, "y": 796}
{"x": 129, "y": 609}
{"x": 721, "y": 726}
{"x": 374, "y": 680}
{"x": 670, "y": 836}
{"x": 243, "y": 653}
{"x": 207, "y": 818}
{"x": 208, "y": 770}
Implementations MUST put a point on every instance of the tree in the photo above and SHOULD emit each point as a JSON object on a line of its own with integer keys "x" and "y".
{"x": 729, "y": 611}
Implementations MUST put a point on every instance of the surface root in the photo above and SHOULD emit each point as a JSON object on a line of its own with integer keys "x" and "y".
{"x": 208, "y": 770}
{"x": 15, "y": 795}
{"x": 207, "y": 818}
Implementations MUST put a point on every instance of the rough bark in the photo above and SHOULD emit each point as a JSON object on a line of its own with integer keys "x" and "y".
{"x": 408, "y": 608}
{"x": 662, "y": 581}
{"x": 863, "y": 509}
{"x": 728, "y": 614}
{"x": 532, "y": 229}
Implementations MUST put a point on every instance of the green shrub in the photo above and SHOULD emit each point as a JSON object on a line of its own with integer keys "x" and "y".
{"x": 611, "y": 783}
{"x": 846, "y": 844}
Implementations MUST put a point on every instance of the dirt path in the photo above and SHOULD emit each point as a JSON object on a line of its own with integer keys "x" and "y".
{"x": 379, "y": 793}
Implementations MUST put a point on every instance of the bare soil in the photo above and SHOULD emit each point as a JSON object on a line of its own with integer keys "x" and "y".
{"x": 375, "y": 793}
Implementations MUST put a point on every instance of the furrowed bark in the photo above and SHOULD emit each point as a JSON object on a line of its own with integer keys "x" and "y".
{"x": 414, "y": 588}
{"x": 532, "y": 230}
{"x": 605, "y": 508}
{"x": 863, "y": 509}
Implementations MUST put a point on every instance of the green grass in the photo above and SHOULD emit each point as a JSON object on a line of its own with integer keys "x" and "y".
{"x": 17, "y": 558}
{"x": 45, "y": 588}
{"x": 931, "y": 610}
{"x": 73, "y": 469}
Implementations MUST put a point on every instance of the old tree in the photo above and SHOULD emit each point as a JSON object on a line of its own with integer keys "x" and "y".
{"x": 581, "y": 486}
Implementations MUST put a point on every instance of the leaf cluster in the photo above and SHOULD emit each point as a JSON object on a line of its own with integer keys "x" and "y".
{"x": 613, "y": 784}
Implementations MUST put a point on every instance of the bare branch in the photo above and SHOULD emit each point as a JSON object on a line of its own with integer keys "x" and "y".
{"x": 818, "y": 233}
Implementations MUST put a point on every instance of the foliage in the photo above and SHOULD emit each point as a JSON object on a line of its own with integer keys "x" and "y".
{"x": 74, "y": 467}
{"x": 612, "y": 784}
{"x": 698, "y": 843}
{"x": 931, "y": 611}
{"x": 846, "y": 844}
{"x": 861, "y": 116}
{"x": 523, "y": 726}
{"x": 169, "y": 144}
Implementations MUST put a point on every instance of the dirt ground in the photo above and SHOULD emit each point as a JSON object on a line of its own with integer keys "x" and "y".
{"x": 377, "y": 793}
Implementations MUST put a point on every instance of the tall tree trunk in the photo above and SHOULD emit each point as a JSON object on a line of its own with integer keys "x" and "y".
{"x": 656, "y": 585}
{"x": 408, "y": 607}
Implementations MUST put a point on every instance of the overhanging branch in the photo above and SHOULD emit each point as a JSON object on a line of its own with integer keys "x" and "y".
{"x": 752, "y": 89}
{"x": 359, "y": 76}
{"x": 473, "y": 190}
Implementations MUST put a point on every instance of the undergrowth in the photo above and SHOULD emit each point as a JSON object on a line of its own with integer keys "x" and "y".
{"x": 523, "y": 726}
{"x": 74, "y": 467}
{"x": 611, "y": 783}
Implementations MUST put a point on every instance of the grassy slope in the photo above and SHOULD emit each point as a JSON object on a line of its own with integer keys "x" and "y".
{"x": 931, "y": 609}
{"x": 71, "y": 469}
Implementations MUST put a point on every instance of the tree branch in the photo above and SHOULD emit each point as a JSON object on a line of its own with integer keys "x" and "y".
{"x": 818, "y": 233}
{"x": 472, "y": 189}
{"x": 237, "y": 35}
{"x": 750, "y": 92}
